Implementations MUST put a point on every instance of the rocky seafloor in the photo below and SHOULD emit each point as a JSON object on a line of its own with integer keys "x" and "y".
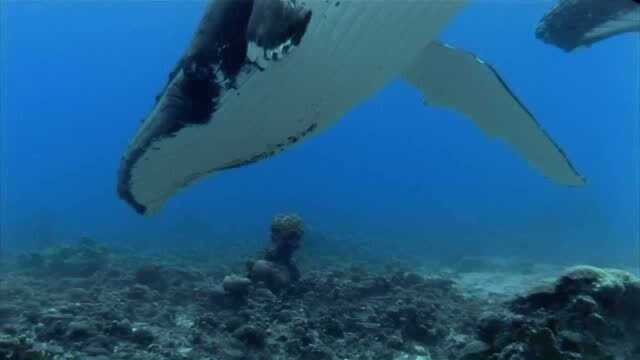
{"x": 86, "y": 301}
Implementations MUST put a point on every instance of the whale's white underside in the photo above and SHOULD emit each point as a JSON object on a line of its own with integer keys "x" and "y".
{"x": 348, "y": 52}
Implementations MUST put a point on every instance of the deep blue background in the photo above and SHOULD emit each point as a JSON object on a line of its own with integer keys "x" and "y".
{"x": 78, "y": 77}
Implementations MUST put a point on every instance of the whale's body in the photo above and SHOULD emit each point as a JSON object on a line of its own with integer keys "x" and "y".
{"x": 261, "y": 75}
{"x": 572, "y": 24}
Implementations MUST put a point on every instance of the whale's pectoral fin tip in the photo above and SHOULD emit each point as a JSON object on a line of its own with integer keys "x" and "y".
{"x": 459, "y": 80}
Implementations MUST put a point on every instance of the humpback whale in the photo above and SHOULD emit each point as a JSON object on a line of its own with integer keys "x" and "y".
{"x": 571, "y": 24}
{"x": 261, "y": 75}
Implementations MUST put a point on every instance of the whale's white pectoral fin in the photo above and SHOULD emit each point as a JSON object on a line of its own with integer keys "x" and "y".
{"x": 457, "y": 79}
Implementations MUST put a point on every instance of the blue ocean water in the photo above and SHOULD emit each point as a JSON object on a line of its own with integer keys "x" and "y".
{"x": 394, "y": 174}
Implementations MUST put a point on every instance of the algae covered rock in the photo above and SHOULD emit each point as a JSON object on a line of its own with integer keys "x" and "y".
{"x": 82, "y": 259}
{"x": 142, "y": 336}
{"x": 276, "y": 269}
{"x": 286, "y": 237}
{"x": 20, "y": 348}
{"x": 153, "y": 276}
{"x": 273, "y": 275}
{"x": 586, "y": 313}
{"x": 615, "y": 291}
{"x": 235, "y": 285}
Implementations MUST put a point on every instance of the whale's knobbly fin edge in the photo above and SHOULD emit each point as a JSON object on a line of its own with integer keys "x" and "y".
{"x": 457, "y": 79}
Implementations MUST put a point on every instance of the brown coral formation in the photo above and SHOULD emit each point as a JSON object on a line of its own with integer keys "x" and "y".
{"x": 276, "y": 269}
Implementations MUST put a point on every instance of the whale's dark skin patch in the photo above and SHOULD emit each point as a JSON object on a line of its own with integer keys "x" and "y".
{"x": 220, "y": 42}
{"x": 199, "y": 92}
{"x": 274, "y": 22}
{"x": 215, "y": 58}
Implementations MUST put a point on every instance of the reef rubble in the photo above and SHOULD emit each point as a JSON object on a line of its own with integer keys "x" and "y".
{"x": 120, "y": 307}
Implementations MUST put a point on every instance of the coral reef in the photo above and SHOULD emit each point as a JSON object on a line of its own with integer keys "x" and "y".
{"x": 351, "y": 313}
{"x": 131, "y": 307}
{"x": 587, "y": 313}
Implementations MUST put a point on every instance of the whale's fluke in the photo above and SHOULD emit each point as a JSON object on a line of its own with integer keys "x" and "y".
{"x": 459, "y": 80}
{"x": 575, "y": 23}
